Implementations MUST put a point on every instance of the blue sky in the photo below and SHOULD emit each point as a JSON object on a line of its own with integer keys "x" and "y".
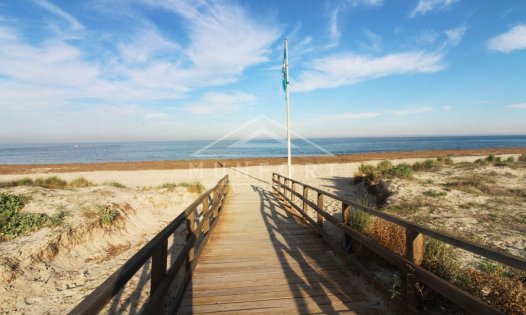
{"x": 173, "y": 70}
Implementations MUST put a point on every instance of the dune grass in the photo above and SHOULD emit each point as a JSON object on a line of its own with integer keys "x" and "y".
{"x": 115, "y": 184}
{"x": 52, "y": 182}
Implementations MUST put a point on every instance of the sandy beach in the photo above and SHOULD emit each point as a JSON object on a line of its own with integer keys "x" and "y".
{"x": 63, "y": 264}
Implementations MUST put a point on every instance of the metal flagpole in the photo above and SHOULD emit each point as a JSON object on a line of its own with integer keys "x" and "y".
{"x": 288, "y": 108}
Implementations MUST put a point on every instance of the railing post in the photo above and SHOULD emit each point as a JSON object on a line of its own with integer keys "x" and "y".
{"x": 292, "y": 196}
{"x": 214, "y": 201}
{"x": 414, "y": 252}
{"x": 205, "y": 204}
{"x": 319, "y": 217}
{"x": 190, "y": 231}
{"x": 304, "y": 203}
{"x": 159, "y": 258}
{"x": 346, "y": 218}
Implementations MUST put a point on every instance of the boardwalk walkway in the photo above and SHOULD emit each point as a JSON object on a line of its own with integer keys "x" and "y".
{"x": 260, "y": 259}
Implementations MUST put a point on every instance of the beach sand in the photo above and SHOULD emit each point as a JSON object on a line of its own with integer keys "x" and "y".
{"x": 51, "y": 270}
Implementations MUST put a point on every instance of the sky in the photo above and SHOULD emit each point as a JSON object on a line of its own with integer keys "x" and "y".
{"x": 155, "y": 70}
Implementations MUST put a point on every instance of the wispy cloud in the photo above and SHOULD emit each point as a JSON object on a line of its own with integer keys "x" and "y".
{"x": 373, "y": 41}
{"x": 212, "y": 103}
{"x": 426, "y": 6}
{"x": 455, "y": 35}
{"x": 224, "y": 39}
{"x": 446, "y": 108}
{"x": 409, "y": 111}
{"x": 61, "y": 13}
{"x": 350, "y": 68}
{"x": 514, "y": 39}
{"x": 335, "y": 11}
{"x": 518, "y": 106}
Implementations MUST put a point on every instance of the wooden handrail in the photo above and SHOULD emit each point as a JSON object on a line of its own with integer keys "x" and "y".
{"x": 414, "y": 249}
{"x": 156, "y": 248}
{"x": 490, "y": 253}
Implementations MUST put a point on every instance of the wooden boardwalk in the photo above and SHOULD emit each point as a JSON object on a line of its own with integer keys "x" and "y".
{"x": 261, "y": 259}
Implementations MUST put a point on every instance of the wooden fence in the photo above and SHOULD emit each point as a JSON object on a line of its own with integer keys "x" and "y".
{"x": 161, "y": 278}
{"x": 286, "y": 188}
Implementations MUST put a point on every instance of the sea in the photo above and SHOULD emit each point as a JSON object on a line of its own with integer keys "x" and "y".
{"x": 225, "y": 149}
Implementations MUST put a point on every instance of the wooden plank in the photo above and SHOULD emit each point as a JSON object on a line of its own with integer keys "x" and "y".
{"x": 261, "y": 259}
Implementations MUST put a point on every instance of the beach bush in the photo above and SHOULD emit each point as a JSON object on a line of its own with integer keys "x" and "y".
{"x": 14, "y": 223}
{"x": 107, "y": 215}
{"x": 448, "y": 161}
{"x": 80, "y": 182}
{"x": 52, "y": 182}
{"x": 384, "y": 166}
{"x": 401, "y": 171}
{"x": 522, "y": 158}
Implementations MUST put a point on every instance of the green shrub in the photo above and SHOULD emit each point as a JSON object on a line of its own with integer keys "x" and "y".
{"x": 59, "y": 216}
{"x": 490, "y": 158}
{"x": 401, "y": 170}
{"x": 13, "y": 222}
{"x": 384, "y": 166}
{"x": 80, "y": 183}
{"x": 359, "y": 220}
{"x": 441, "y": 259}
{"x": 51, "y": 183}
{"x": 522, "y": 158}
{"x": 107, "y": 214}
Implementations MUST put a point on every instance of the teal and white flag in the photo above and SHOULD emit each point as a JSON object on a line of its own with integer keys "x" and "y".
{"x": 284, "y": 68}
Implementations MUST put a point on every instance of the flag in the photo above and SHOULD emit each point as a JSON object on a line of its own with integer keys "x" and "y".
{"x": 284, "y": 68}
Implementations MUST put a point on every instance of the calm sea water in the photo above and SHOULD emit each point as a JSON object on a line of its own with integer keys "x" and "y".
{"x": 182, "y": 150}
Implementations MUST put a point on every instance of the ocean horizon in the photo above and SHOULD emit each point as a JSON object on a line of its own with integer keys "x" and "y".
{"x": 91, "y": 152}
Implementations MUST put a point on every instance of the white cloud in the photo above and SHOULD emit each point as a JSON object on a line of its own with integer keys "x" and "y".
{"x": 335, "y": 12}
{"x": 455, "y": 35}
{"x": 446, "y": 108}
{"x": 518, "y": 106}
{"x": 73, "y": 23}
{"x": 147, "y": 65}
{"x": 409, "y": 111}
{"x": 426, "y": 6}
{"x": 348, "y": 69}
{"x": 213, "y": 102}
{"x": 514, "y": 39}
{"x": 350, "y": 116}
{"x": 224, "y": 39}
{"x": 146, "y": 44}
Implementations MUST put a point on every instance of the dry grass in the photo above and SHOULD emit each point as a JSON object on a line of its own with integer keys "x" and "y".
{"x": 387, "y": 234}
{"x": 80, "y": 182}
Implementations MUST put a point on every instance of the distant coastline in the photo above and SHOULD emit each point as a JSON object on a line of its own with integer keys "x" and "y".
{"x": 8, "y": 169}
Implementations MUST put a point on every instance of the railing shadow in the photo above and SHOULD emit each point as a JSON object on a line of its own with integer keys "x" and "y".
{"x": 303, "y": 259}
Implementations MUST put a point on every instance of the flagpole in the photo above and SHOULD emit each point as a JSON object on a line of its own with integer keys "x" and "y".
{"x": 288, "y": 109}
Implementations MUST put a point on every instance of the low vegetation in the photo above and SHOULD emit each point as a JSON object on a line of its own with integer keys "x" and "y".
{"x": 107, "y": 215}
{"x": 115, "y": 184}
{"x": 14, "y": 223}
{"x": 52, "y": 182}
{"x": 496, "y": 284}
{"x": 193, "y": 187}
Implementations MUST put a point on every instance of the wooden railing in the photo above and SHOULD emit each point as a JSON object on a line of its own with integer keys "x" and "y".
{"x": 197, "y": 235}
{"x": 286, "y": 188}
